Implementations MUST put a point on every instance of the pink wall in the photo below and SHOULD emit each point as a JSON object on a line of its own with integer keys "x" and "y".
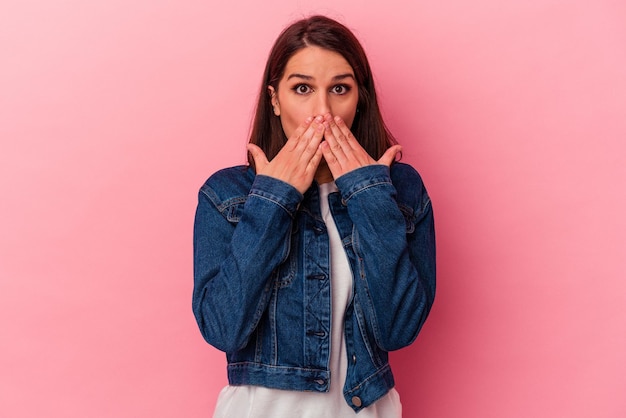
{"x": 112, "y": 114}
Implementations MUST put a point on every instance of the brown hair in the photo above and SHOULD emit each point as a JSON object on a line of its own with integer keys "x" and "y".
{"x": 368, "y": 125}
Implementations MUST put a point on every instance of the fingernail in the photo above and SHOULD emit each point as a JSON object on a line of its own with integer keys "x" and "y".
{"x": 337, "y": 119}
{"x": 309, "y": 119}
{"x": 318, "y": 119}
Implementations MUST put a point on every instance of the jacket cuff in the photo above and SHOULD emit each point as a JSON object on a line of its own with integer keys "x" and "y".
{"x": 277, "y": 191}
{"x": 362, "y": 178}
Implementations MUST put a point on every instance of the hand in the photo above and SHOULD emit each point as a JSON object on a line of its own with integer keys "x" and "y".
{"x": 342, "y": 151}
{"x": 297, "y": 161}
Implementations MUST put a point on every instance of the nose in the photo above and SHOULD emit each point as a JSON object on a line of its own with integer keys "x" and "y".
{"x": 322, "y": 104}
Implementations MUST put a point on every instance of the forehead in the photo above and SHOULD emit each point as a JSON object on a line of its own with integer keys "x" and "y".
{"x": 318, "y": 63}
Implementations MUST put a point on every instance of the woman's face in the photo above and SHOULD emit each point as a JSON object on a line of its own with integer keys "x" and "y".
{"x": 316, "y": 81}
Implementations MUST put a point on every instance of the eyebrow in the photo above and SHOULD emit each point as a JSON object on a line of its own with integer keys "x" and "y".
{"x": 308, "y": 77}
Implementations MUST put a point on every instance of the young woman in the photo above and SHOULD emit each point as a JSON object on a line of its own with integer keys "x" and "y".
{"x": 317, "y": 258}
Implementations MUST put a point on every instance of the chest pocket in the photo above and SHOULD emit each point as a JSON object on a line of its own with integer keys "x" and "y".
{"x": 233, "y": 209}
{"x": 284, "y": 273}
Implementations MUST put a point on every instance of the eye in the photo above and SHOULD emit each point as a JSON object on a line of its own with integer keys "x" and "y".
{"x": 302, "y": 89}
{"x": 340, "y": 89}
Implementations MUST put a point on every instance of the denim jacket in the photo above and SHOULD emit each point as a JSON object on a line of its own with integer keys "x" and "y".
{"x": 261, "y": 276}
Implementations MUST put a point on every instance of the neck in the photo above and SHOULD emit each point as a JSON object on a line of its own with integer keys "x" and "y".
{"x": 323, "y": 174}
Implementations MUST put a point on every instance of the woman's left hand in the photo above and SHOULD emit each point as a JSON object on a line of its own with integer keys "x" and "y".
{"x": 342, "y": 151}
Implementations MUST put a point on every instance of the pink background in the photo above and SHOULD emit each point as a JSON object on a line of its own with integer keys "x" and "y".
{"x": 113, "y": 113}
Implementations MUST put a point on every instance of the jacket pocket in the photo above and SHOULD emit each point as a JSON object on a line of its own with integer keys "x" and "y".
{"x": 233, "y": 209}
{"x": 283, "y": 274}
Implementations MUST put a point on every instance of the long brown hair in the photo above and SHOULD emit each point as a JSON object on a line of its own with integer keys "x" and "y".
{"x": 368, "y": 125}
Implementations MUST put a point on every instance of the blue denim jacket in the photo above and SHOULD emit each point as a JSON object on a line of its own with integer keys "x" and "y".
{"x": 261, "y": 276}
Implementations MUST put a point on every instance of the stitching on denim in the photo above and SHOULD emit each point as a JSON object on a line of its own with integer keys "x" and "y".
{"x": 361, "y": 267}
{"x": 222, "y": 206}
{"x": 362, "y": 189}
{"x": 358, "y": 310}
{"x": 241, "y": 364}
{"x": 386, "y": 368}
{"x": 273, "y": 330}
{"x": 258, "y": 349}
{"x": 423, "y": 210}
{"x": 291, "y": 215}
{"x": 409, "y": 217}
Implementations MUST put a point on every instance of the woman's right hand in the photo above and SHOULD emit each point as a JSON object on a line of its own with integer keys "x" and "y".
{"x": 297, "y": 162}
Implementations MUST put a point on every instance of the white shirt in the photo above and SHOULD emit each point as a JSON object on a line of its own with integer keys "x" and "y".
{"x": 261, "y": 402}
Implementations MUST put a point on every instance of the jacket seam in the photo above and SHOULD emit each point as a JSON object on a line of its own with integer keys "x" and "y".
{"x": 372, "y": 376}
{"x": 277, "y": 203}
{"x": 363, "y": 188}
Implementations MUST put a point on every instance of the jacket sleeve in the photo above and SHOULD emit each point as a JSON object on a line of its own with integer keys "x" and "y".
{"x": 235, "y": 253}
{"x": 395, "y": 249}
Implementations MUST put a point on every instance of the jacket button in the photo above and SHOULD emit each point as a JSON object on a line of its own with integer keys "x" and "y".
{"x": 356, "y": 401}
{"x": 354, "y": 358}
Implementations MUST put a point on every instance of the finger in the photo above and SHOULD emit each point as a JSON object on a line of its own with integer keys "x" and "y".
{"x": 349, "y": 144}
{"x": 390, "y": 155}
{"x": 305, "y": 132}
{"x": 311, "y": 139}
{"x": 334, "y": 146}
{"x": 299, "y": 133}
{"x": 331, "y": 160}
{"x": 315, "y": 160}
{"x": 315, "y": 128}
{"x": 259, "y": 157}
{"x": 343, "y": 132}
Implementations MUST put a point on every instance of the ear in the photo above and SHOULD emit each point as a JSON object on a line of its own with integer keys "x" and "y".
{"x": 274, "y": 100}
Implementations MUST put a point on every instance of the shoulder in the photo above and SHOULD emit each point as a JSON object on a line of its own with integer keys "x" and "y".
{"x": 409, "y": 186}
{"x": 405, "y": 177}
{"x": 228, "y": 184}
{"x": 404, "y": 172}
{"x": 231, "y": 177}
